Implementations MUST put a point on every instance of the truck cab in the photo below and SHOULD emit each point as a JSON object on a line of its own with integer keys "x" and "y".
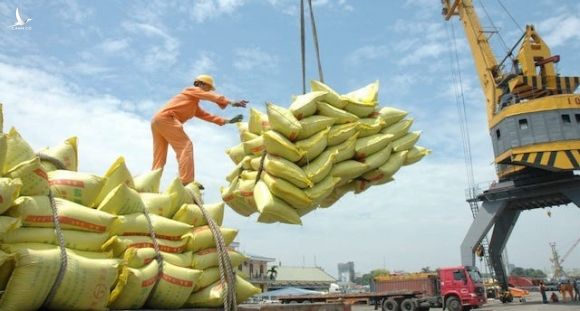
{"x": 461, "y": 287}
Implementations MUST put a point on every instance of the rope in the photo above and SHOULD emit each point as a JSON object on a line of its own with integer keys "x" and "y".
{"x": 54, "y": 161}
{"x": 315, "y": 37}
{"x": 303, "y": 46}
{"x": 227, "y": 276}
{"x": 510, "y": 15}
{"x": 158, "y": 256}
{"x": 261, "y": 168}
{"x": 63, "y": 254}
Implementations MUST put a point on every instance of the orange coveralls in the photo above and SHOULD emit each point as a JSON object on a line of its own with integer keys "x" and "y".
{"x": 167, "y": 128}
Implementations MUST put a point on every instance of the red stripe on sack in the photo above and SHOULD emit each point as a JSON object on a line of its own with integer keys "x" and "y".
{"x": 206, "y": 251}
{"x": 159, "y": 236}
{"x": 247, "y": 193}
{"x": 67, "y": 182}
{"x": 199, "y": 229}
{"x": 147, "y": 283}
{"x": 1, "y": 199}
{"x": 228, "y": 198}
{"x": 40, "y": 172}
{"x": 293, "y": 136}
{"x": 374, "y": 114}
{"x": 176, "y": 281}
{"x": 66, "y": 220}
{"x": 257, "y": 149}
{"x": 165, "y": 248}
{"x": 378, "y": 177}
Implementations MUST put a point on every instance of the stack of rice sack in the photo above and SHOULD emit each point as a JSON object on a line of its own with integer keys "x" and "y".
{"x": 310, "y": 155}
{"x": 111, "y": 260}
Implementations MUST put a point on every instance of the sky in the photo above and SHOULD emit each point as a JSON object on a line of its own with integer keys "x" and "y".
{"x": 99, "y": 70}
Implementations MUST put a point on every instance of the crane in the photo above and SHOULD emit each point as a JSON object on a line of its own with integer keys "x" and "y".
{"x": 558, "y": 261}
{"x": 533, "y": 116}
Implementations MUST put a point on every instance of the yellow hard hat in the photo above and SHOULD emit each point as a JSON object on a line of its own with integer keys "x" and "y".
{"x": 207, "y": 79}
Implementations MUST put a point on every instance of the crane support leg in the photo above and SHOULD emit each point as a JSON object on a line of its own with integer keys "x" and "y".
{"x": 573, "y": 195}
{"x": 504, "y": 224}
{"x": 484, "y": 219}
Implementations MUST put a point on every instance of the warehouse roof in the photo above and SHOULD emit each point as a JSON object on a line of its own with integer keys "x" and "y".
{"x": 302, "y": 274}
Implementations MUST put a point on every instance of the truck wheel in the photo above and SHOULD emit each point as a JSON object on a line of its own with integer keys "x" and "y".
{"x": 390, "y": 305}
{"x": 453, "y": 304}
{"x": 408, "y": 305}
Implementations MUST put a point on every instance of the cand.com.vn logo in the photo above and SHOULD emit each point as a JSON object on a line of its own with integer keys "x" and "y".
{"x": 20, "y": 24}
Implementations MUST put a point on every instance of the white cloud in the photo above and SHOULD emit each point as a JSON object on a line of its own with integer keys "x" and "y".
{"x": 255, "y": 58}
{"x": 560, "y": 30}
{"x": 72, "y": 12}
{"x": 154, "y": 56}
{"x": 208, "y": 9}
{"x": 368, "y": 53}
{"x": 114, "y": 46}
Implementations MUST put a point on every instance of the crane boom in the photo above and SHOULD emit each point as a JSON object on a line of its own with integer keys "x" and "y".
{"x": 570, "y": 250}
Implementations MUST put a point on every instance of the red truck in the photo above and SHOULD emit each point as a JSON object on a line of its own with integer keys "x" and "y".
{"x": 454, "y": 288}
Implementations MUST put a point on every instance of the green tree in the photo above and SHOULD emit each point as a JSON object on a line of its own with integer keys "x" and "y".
{"x": 366, "y": 278}
{"x": 528, "y": 272}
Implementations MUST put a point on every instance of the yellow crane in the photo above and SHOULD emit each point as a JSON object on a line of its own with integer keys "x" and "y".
{"x": 533, "y": 116}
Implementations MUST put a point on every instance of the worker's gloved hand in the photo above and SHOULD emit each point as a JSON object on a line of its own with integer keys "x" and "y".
{"x": 236, "y": 119}
{"x": 240, "y": 103}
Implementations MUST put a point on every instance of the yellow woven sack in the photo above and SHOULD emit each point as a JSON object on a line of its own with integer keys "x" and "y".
{"x": 179, "y": 194}
{"x": 6, "y": 268}
{"x": 235, "y": 200}
{"x": 140, "y": 257}
{"x": 235, "y": 173}
{"x": 268, "y": 204}
{"x": 191, "y": 214}
{"x": 249, "y": 175}
{"x": 286, "y": 191}
{"x": 79, "y": 240}
{"x": 266, "y": 219}
{"x": 211, "y": 296}
{"x": 337, "y": 194}
{"x": 340, "y": 133}
{"x": 236, "y": 153}
{"x": 278, "y": 145}
{"x": 349, "y": 169}
{"x": 313, "y": 125}
{"x": 378, "y": 158}
{"x": 134, "y": 286}
{"x": 9, "y": 191}
{"x": 85, "y": 284}
{"x": 81, "y": 188}
{"x": 370, "y": 126}
{"x": 406, "y": 142}
{"x": 283, "y": 121}
{"x": 3, "y": 150}
{"x": 36, "y": 212}
{"x": 242, "y": 128}
{"x": 313, "y": 146}
{"x": 345, "y": 150}
{"x": 33, "y": 177}
{"x": 254, "y": 146}
{"x": 40, "y": 246}
{"x": 368, "y": 94}
{"x": 322, "y": 189}
{"x": 116, "y": 175}
{"x": 388, "y": 169}
{"x": 392, "y": 115}
{"x": 136, "y": 224}
{"x": 208, "y": 258}
{"x": 246, "y": 190}
{"x": 305, "y": 105}
{"x": 158, "y": 204}
{"x": 148, "y": 182}
{"x": 8, "y": 223}
{"x": 248, "y": 136}
{"x": 416, "y": 154}
{"x": 208, "y": 277}
{"x": 341, "y": 116}
{"x": 331, "y": 97}
{"x": 174, "y": 288}
{"x": 118, "y": 244}
{"x": 318, "y": 169}
{"x": 360, "y": 109}
{"x": 66, "y": 153}
{"x": 283, "y": 168}
{"x": 258, "y": 122}
{"x": 398, "y": 129}
{"x": 247, "y": 161}
{"x": 122, "y": 200}
{"x": 367, "y": 146}
{"x": 17, "y": 151}
{"x": 202, "y": 238}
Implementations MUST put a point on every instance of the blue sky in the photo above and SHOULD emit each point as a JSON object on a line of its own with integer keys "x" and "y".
{"x": 99, "y": 70}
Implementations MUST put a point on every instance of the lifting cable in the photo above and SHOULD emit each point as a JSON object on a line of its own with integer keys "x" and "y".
{"x": 510, "y": 15}
{"x": 496, "y": 29}
{"x": 303, "y": 43}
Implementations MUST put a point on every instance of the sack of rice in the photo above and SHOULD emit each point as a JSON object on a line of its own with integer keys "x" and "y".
{"x": 148, "y": 182}
{"x": 390, "y": 167}
{"x": 258, "y": 122}
{"x": 79, "y": 240}
{"x": 117, "y": 174}
{"x": 349, "y": 169}
{"x": 122, "y": 200}
{"x": 158, "y": 204}
{"x": 406, "y": 142}
{"x": 398, "y": 129}
{"x": 17, "y": 151}
{"x": 134, "y": 286}
{"x": 235, "y": 200}
{"x": 36, "y": 212}
{"x": 33, "y": 177}
{"x": 211, "y": 296}
{"x": 318, "y": 169}
{"x": 339, "y": 115}
{"x": 278, "y": 145}
{"x": 371, "y": 144}
{"x": 416, "y": 154}
{"x": 66, "y": 153}
{"x": 344, "y": 150}
{"x": 81, "y": 188}
{"x": 202, "y": 238}
{"x": 283, "y": 121}
{"x": 314, "y": 124}
{"x": 286, "y": 191}
{"x": 119, "y": 244}
{"x": 179, "y": 194}
{"x": 340, "y": 133}
{"x": 313, "y": 146}
{"x": 370, "y": 126}
{"x": 254, "y": 146}
{"x": 392, "y": 115}
{"x": 305, "y": 105}
{"x": 331, "y": 97}
{"x": 208, "y": 258}
{"x": 378, "y": 158}
{"x": 174, "y": 287}
{"x": 9, "y": 191}
{"x": 287, "y": 170}
{"x": 191, "y": 214}
{"x": 140, "y": 257}
{"x": 270, "y": 205}
{"x": 137, "y": 224}
{"x": 322, "y": 189}
{"x": 236, "y": 153}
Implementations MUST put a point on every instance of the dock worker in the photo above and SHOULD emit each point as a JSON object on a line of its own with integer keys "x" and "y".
{"x": 167, "y": 124}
